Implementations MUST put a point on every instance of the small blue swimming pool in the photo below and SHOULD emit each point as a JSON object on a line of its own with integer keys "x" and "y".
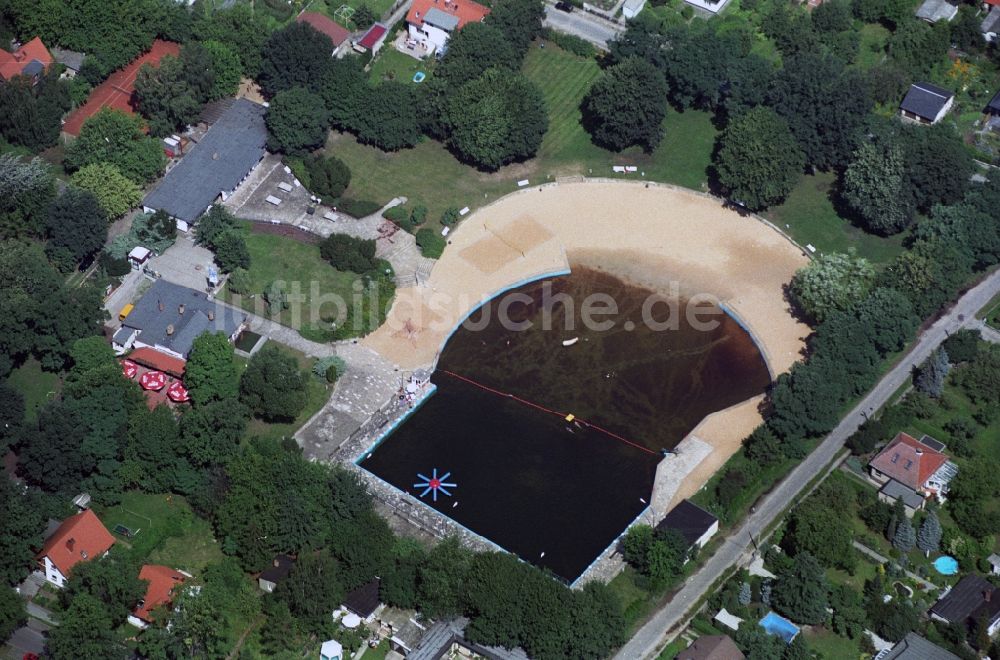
{"x": 946, "y": 565}
{"x": 419, "y": 76}
{"x": 779, "y": 626}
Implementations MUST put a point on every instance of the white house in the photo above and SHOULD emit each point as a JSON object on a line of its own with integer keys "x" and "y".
{"x": 432, "y": 22}
{"x": 78, "y": 539}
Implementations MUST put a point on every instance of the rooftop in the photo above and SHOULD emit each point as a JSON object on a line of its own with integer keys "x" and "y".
{"x": 172, "y": 316}
{"x": 925, "y": 100}
{"x": 972, "y": 597}
{"x": 364, "y": 600}
{"x": 462, "y": 11}
{"x": 279, "y": 569}
{"x": 898, "y": 491}
{"x": 712, "y": 647}
{"x": 915, "y": 647}
{"x": 79, "y": 538}
{"x": 153, "y": 359}
{"x": 992, "y": 21}
{"x": 29, "y": 59}
{"x": 908, "y": 461}
{"x": 994, "y": 104}
{"x": 325, "y": 25}
{"x": 374, "y": 34}
{"x": 162, "y": 580}
{"x": 116, "y": 91}
{"x": 69, "y": 58}
{"x": 689, "y": 519}
{"x": 230, "y": 149}
{"x": 933, "y": 11}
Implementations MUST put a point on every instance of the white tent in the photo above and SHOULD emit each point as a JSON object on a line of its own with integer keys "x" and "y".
{"x": 331, "y": 650}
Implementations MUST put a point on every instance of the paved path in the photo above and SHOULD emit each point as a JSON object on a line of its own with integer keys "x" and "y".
{"x": 39, "y": 612}
{"x": 669, "y": 619}
{"x": 282, "y": 333}
{"x": 588, "y": 27}
{"x": 988, "y": 332}
{"x": 861, "y": 547}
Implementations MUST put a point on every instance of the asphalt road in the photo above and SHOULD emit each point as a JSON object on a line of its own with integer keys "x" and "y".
{"x": 591, "y": 28}
{"x": 662, "y": 626}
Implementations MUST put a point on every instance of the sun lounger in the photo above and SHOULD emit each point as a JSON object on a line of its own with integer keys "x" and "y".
{"x": 284, "y": 186}
{"x": 271, "y": 199}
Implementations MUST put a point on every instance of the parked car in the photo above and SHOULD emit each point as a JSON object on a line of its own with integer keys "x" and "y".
{"x": 562, "y": 5}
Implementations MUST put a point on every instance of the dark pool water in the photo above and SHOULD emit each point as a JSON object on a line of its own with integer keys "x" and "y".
{"x": 528, "y": 480}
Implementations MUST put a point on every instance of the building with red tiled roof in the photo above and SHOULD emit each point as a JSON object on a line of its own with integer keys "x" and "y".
{"x": 78, "y": 539}
{"x": 158, "y": 360}
{"x": 909, "y": 467}
{"x": 432, "y": 22}
{"x": 325, "y": 25}
{"x": 116, "y": 91}
{"x": 162, "y": 582}
{"x": 31, "y": 59}
{"x": 372, "y": 39}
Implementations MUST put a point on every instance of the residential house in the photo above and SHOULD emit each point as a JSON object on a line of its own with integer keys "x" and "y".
{"x": 926, "y": 103}
{"x": 933, "y": 11}
{"x": 912, "y": 470}
{"x": 70, "y": 59}
{"x": 712, "y": 647}
{"x": 323, "y": 24}
{"x": 432, "y": 22}
{"x": 993, "y": 107}
{"x": 162, "y": 582}
{"x": 716, "y": 6}
{"x": 373, "y": 39}
{"x": 79, "y": 538}
{"x": 696, "y": 525}
{"x": 279, "y": 569}
{"x": 447, "y": 639}
{"x": 990, "y": 27}
{"x": 632, "y": 8}
{"x": 994, "y": 561}
{"x": 215, "y": 167}
{"x": 116, "y": 91}
{"x": 30, "y": 59}
{"x": 915, "y": 647}
{"x": 364, "y": 601}
{"x": 970, "y": 601}
{"x": 168, "y": 318}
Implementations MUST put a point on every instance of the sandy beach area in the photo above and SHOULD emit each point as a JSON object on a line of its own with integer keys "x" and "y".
{"x": 664, "y": 238}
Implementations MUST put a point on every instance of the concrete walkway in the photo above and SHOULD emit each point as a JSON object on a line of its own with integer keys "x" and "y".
{"x": 861, "y": 547}
{"x": 669, "y": 620}
{"x": 988, "y": 332}
{"x": 282, "y": 334}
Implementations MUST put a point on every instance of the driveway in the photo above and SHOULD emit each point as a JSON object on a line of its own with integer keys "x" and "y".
{"x": 669, "y": 619}
{"x": 588, "y": 27}
{"x": 29, "y": 638}
{"x": 184, "y": 263}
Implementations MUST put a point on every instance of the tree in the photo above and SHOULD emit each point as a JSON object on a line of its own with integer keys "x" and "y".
{"x": 939, "y": 166}
{"x": 762, "y": 446}
{"x": 827, "y": 132}
{"x": 111, "y": 136}
{"x": 929, "y": 536}
{"x": 328, "y": 176}
{"x": 347, "y": 253}
{"x": 231, "y": 252}
{"x": 917, "y": 46}
{"x": 758, "y": 160}
{"x": 212, "y": 431}
{"x": 802, "y": 593}
{"x": 386, "y": 116}
{"x": 12, "y": 612}
{"x": 112, "y": 580}
{"x": 77, "y": 225}
{"x": 30, "y": 111}
{"x": 962, "y": 346}
{"x": 904, "y": 538}
{"x": 214, "y": 224}
{"x": 471, "y": 52}
{"x": 519, "y": 20}
{"x": 295, "y": 56}
{"x": 24, "y": 518}
{"x": 210, "y": 374}
{"x": 241, "y": 29}
{"x": 746, "y": 595}
{"x": 164, "y": 94}
{"x": 296, "y": 121}
{"x": 313, "y": 589}
{"x": 442, "y": 578}
{"x": 833, "y": 16}
{"x": 626, "y": 106}
{"x": 116, "y": 193}
{"x": 930, "y": 375}
{"x": 150, "y": 457}
{"x": 86, "y": 631}
{"x": 822, "y": 532}
{"x": 26, "y": 189}
{"x": 344, "y": 91}
{"x": 874, "y": 186}
{"x": 226, "y": 68}
{"x": 497, "y": 119}
{"x": 240, "y": 281}
{"x": 363, "y": 17}
{"x": 832, "y": 282}
{"x": 273, "y": 387}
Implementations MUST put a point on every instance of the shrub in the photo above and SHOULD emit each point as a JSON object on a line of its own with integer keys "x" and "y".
{"x": 239, "y": 281}
{"x": 396, "y": 214}
{"x": 450, "y": 216}
{"x": 331, "y": 365}
{"x": 431, "y": 243}
{"x": 571, "y": 43}
{"x": 687, "y": 12}
{"x": 328, "y": 177}
{"x": 114, "y": 266}
{"x": 357, "y": 208}
{"x": 348, "y": 253}
{"x": 418, "y": 215}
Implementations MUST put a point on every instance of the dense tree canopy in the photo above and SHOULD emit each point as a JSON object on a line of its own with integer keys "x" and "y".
{"x": 497, "y": 119}
{"x": 77, "y": 226}
{"x": 30, "y": 113}
{"x": 832, "y": 282}
{"x": 115, "y": 193}
{"x": 26, "y": 188}
{"x": 626, "y": 106}
{"x": 801, "y": 592}
{"x": 758, "y": 159}
{"x": 111, "y": 136}
{"x": 210, "y": 374}
{"x": 295, "y": 56}
{"x": 519, "y": 20}
{"x": 241, "y": 29}
{"x": 875, "y": 187}
{"x": 296, "y": 121}
{"x": 472, "y": 51}
{"x": 273, "y": 387}
{"x": 386, "y": 116}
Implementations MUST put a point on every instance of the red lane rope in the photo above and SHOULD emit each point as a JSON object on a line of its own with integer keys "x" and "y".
{"x": 532, "y": 404}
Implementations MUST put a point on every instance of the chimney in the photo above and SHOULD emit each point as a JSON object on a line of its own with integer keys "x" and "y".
{"x": 211, "y": 315}
{"x": 159, "y": 305}
{"x": 920, "y": 452}
{"x": 987, "y": 595}
{"x": 170, "y": 329}
{"x": 70, "y": 543}
{"x": 180, "y": 309}
{"x": 275, "y": 562}
{"x": 215, "y": 156}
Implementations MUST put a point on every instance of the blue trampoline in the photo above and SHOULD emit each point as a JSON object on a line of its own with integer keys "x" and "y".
{"x": 780, "y": 627}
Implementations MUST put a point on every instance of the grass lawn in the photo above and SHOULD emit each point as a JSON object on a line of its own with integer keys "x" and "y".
{"x": 156, "y": 519}
{"x": 636, "y": 601}
{"x": 328, "y": 7}
{"x": 394, "y": 65}
{"x": 830, "y": 646}
{"x": 317, "y": 393}
{"x": 808, "y": 215}
{"x": 316, "y": 290}
{"x": 35, "y": 385}
{"x": 874, "y": 38}
{"x": 377, "y": 653}
{"x": 672, "y": 649}
{"x": 192, "y": 551}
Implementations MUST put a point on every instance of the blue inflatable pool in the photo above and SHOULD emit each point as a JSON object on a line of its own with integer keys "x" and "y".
{"x": 419, "y": 76}
{"x": 946, "y": 565}
{"x": 780, "y": 627}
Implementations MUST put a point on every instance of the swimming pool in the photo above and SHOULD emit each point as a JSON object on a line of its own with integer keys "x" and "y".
{"x": 780, "y": 627}
{"x": 419, "y": 76}
{"x": 946, "y": 565}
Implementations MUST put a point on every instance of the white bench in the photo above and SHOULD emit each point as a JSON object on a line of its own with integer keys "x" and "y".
{"x": 618, "y": 168}
{"x": 284, "y": 186}
{"x": 522, "y": 183}
{"x": 271, "y": 199}
{"x": 444, "y": 232}
{"x": 330, "y": 215}
{"x": 631, "y": 168}
{"x": 463, "y": 211}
